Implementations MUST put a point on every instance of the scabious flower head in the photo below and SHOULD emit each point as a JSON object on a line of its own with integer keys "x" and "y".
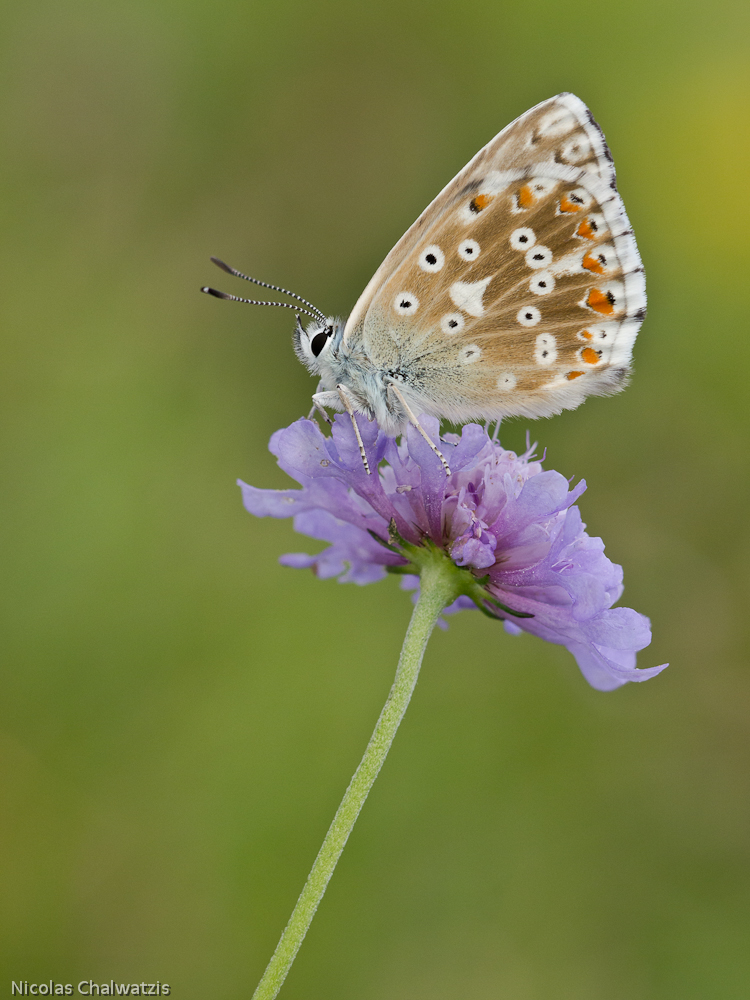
{"x": 512, "y": 526}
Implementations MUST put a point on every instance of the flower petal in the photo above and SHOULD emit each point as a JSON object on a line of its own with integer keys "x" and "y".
{"x": 433, "y": 479}
{"x": 607, "y": 669}
{"x": 618, "y": 628}
{"x": 498, "y": 514}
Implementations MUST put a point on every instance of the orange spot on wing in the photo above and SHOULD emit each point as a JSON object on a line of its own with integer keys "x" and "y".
{"x": 592, "y": 264}
{"x": 586, "y": 335}
{"x": 585, "y": 230}
{"x": 566, "y": 205}
{"x": 589, "y": 355}
{"x": 526, "y": 197}
{"x": 572, "y": 375}
{"x": 601, "y": 302}
{"x": 481, "y": 202}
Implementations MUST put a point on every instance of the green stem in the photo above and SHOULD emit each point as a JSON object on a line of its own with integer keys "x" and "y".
{"x": 438, "y": 589}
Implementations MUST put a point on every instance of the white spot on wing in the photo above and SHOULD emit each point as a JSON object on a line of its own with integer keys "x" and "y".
{"x": 528, "y": 316}
{"x": 542, "y": 284}
{"x": 506, "y": 381}
{"x": 468, "y": 249}
{"x": 452, "y": 323}
{"x": 522, "y": 238}
{"x": 559, "y": 121}
{"x": 545, "y": 349}
{"x": 431, "y": 259}
{"x": 577, "y": 149}
{"x": 469, "y": 354}
{"x": 538, "y": 256}
{"x": 467, "y": 295}
{"x": 406, "y": 303}
{"x": 542, "y": 186}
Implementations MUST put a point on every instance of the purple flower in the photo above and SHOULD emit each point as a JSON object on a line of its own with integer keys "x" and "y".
{"x": 508, "y": 523}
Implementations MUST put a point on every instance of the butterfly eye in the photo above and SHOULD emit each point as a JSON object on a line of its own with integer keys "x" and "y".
{"x": 538, "y": 257}
{"x": 432, "y": 259}
{"x": 528, "y": 316}
{"x": 319, "y": 341}
{"x": 468, "y": 249}
{"x": 406, "y": 303}
{"x": 542, "y": 284}
{"x": 452, "y": 323}
{"x": 523, "y": 238}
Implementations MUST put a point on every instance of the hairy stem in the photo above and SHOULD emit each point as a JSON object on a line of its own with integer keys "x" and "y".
{"x": 438, "y": 589}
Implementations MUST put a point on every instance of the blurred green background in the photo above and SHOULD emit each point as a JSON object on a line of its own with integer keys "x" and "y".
{"x": 180, "y": 715}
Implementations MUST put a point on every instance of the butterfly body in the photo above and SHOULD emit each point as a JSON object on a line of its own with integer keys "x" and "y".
{"x": 368, "y": 375}
{"x": 519, "y": 291}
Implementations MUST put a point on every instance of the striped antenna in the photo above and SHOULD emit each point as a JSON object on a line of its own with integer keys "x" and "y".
{"x": 276, "y": 288}
{"x": 257, "y": 302}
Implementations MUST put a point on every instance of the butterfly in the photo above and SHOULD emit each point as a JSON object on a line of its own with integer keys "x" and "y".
{"x": 519, "y": 291}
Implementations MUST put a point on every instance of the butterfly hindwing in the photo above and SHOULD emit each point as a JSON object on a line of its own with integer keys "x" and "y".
{"x": 519, "y": 290}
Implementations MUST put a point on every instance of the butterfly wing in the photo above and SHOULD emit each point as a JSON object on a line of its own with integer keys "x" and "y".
{"x": 519, "y": 290}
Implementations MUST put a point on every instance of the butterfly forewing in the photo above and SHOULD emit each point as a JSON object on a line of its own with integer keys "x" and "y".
{"x": 519, "y": 290}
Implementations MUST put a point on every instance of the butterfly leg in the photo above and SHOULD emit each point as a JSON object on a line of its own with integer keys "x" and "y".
{"x": 317, "y": 407}
{"x": 350, "y": 410}
{"x": 412, "y": 418}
